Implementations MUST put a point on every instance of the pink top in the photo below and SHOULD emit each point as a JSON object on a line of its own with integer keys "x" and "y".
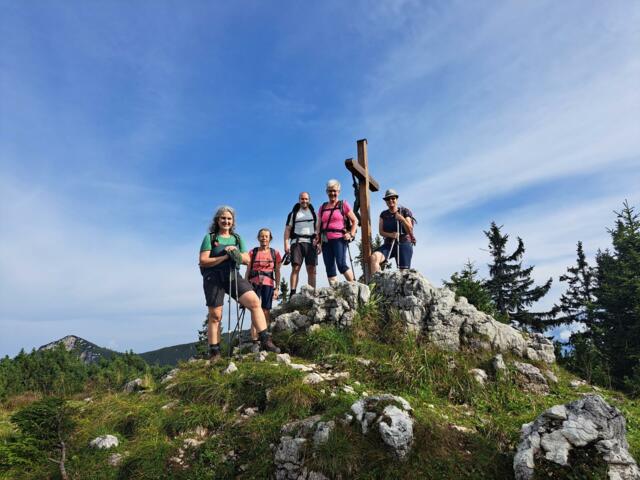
{"x": 337, "y": 221}
{"x": 263, "y": 262}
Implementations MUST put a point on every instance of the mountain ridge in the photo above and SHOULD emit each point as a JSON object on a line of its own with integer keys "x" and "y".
{"x": 90, "y": 352}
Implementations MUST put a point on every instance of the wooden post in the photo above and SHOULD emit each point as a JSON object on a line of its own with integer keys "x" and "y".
{"x": 361, "y": 171}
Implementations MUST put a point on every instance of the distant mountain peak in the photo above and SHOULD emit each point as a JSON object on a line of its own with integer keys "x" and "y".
{"x": 69, "y": 342}
{"x": 87, "y": 351}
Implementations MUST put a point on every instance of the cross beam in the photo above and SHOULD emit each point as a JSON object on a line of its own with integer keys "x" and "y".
{"x": 366, "y": 183}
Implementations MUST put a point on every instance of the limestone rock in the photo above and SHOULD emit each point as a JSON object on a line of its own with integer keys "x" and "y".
{"x": 170, "y": 375}
{"x": 586, "y": 422}
{"x": 231, "y": 368}
{"x": 331, "y": 306}
{"x": 396, "y": 429}
{"x": 133, "y": 386}
{"x": 479, "y": 375}
{"x": 283, "y": 358}
{"x": 290, "y": 453}
{"x": 104, "y": 442}
{"x": 395, "y": 424}
{"x": 312, "y": 379}
{"x": 531, "y": 378}
{"x": 577, "y": 383}
{"x": 451, "y": 323}
{"x": 498, "y": 363}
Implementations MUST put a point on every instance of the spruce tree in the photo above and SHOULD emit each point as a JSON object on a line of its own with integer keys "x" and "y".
{"x": 466, "y": 284}
{"x": 511, "y": 286}
{"x": 284, "y": 291}
{"x": 202, "y": 347}
{"x": 577, "y": 303}
{"x": 618, "y": 300}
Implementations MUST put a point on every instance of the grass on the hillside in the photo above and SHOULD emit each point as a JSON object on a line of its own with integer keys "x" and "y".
{"x": 462, "y": 430}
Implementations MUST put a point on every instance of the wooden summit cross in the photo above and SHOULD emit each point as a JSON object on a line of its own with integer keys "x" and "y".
{"x": 365, "y": 183}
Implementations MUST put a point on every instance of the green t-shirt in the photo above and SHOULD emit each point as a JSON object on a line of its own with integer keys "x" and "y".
{"x": 222, "y": 242}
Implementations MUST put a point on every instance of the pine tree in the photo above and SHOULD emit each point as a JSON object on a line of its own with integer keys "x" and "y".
{"x": 48, "y": 423}
{"x": 466, "y": 284}
{"x": 284, "y": 291}
{"x": 577, "y": 303}
{"x": 618, "y": 300}
{"x": 202, "y": 347}
{"x": 511, "y": 286}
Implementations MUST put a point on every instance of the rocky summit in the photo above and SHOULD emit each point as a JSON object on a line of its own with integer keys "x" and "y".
{"x": 423, "y": 309}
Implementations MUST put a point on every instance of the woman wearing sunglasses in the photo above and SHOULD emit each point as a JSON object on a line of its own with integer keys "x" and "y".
{"x": 336, "y": 228}
{"x": 396, "y": 228}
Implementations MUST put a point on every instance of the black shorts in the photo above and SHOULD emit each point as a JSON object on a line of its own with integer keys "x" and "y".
{"x": 216, "y": 284}
{"x": 304, "y": 251}
{"x": 265, "y": 294}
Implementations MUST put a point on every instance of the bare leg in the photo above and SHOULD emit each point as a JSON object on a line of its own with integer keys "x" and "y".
{"x": 376, "y": 259}
{"x": 251, "y": 301}
{"x": 311, "y": 275}
{"x": 295, "y": 272}
{"x": 349, "y": 275}
{"x": 333, "y": 281}
{"x": 213, "y": 325}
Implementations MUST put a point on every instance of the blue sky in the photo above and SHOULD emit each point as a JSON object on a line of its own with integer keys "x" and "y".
{"x": 123, "y": 125}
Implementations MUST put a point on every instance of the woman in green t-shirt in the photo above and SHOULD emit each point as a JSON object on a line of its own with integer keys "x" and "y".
{"x": 221, "y": 252}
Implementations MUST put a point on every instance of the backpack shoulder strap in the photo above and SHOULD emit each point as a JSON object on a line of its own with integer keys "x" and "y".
{"x": 292, "y": 214}
{"x": 273, "y": 257}
{"x": 315, "y": 217}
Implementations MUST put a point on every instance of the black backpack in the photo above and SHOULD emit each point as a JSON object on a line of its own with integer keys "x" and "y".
{"x": 346, "y": 220}
{"x": 292, "y": 215}
{"x": 214, "y": 243}
{"x": 254, "y": 273}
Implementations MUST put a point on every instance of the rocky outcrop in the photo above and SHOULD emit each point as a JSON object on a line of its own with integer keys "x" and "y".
{"x": 135, "y": 385}
{"x": 296, "y": 439}
{"x": 391, "y": 416}
{"x": 332, "y": 306}
{"x": 587, "y": 422}
{"x": 452, "y": 323}
{"x": 388, "y": 416}
{"x": 531, "y": 378}
{"x": 423, "y": 308}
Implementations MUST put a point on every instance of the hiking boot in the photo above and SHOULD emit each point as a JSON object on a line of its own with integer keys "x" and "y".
{"x": 215, "y": 357}
{"x": 255, "y": 347}
{"x": 269, "y": 346}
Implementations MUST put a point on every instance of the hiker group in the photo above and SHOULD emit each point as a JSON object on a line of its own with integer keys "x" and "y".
{"x": 307, "y": 234}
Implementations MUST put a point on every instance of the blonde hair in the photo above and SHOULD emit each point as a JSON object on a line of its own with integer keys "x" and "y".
{"x": 333, "y": 183}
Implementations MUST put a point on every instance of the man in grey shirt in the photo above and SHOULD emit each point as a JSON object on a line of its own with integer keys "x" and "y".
{"x": 299, "y": 240}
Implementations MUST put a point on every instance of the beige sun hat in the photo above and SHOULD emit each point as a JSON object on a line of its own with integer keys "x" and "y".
{"x": 390, "y": 193}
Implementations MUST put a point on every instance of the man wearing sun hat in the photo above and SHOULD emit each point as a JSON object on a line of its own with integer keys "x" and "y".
{"x": 395, "y": 226}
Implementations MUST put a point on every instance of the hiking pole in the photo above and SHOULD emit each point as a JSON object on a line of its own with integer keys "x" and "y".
{"x": 351, "y": 260}
{"x": 398, "y": 236}
{"x": 229, "y": 315}
{"x": 237, "y": 309}
{"x": 393, "y": 244}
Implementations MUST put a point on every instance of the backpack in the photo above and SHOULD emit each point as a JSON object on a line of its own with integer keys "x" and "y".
{"x": 405, "y": 212}
{"x": 292, "y": 215}
{"x": 254, "y": 273}
{"x": 215, "y": 243}
{"x": 345, "y": 220}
